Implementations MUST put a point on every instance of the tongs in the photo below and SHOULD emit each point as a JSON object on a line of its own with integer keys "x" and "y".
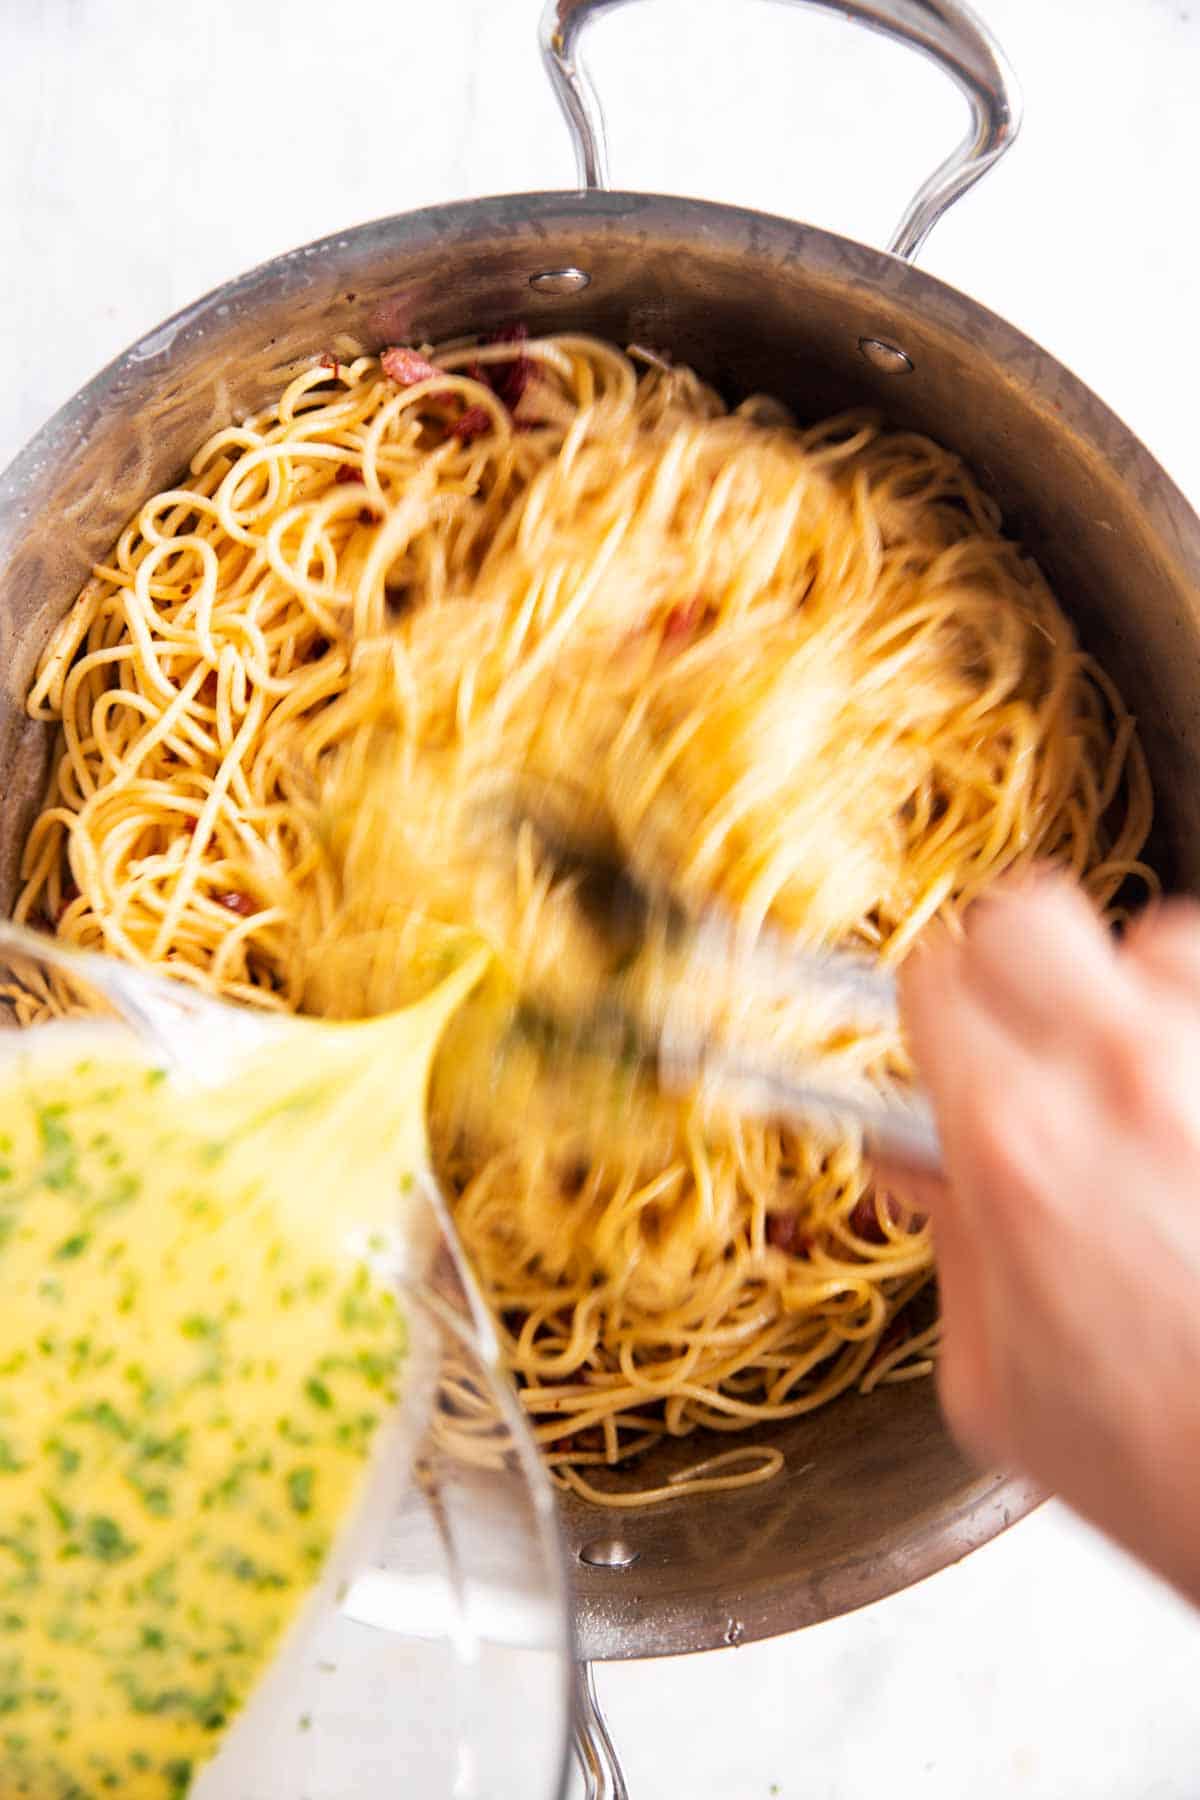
{"x": 709, "y": 955}
{"x": 676, "y": 1036}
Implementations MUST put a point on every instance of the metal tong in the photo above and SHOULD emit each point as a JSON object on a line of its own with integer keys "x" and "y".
{"x": 704, "y": 955}
{"x": 708, "y": 954}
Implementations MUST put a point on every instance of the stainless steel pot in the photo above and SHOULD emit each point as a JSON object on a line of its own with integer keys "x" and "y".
{"x": 875, "y": 1495}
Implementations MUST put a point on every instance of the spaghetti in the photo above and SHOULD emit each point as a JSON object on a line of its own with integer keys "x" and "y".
{"x": 801, "y": 674}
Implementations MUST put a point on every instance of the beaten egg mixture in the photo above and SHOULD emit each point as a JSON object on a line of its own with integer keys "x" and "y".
{"x": 199, "y": 1343}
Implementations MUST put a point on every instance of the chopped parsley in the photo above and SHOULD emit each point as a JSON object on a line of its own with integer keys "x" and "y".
{"x": 300, "y": 1490}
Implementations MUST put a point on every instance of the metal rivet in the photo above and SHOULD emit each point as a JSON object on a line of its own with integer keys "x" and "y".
{"x": 609, "y": 1553}
{"x": 560, "y": 281}
{"x": 889, "y": 359}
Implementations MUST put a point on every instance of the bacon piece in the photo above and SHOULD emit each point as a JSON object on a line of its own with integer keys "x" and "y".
{"x": 507, "y": 380}
{"x": 407, "y": 367}
{"x": 783, "y": 1231}
{"x": 683, "y": 619}
{"x": 865, "y": 1220}
{"x": 348, "y": 472}
{"x": 475, "y": 422}
{"x": 234, "y": 901}
{"x": 329, "y": 361}
{"x": 573, "y": 1179}
{"x": 207, "y": 691}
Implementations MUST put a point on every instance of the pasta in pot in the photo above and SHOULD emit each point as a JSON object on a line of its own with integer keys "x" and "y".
{"x": 798, "y": 674}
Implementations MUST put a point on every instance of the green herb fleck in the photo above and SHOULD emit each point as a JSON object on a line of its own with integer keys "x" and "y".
{"x": 208, "y": 1707}
{"x": 72, "y": 1247}
{"x": 103, "y": 1414}
{"x": 104, "y": 1539}
{"x": 122, "y": 1191}
{"x": 68, "y": 1458}
{"x": 62, "y": 1515}
{"x": 155, "y": 1499}
{"x": 376, "y": 1367}
{"x": 197, "y": 1325}
{"x": 160, "y": 1586}
{"x": 170, "y": 1450}
{"x": 254, "y": 1574}
{"x": 178, "y": 1775}
{"x": 53, "y": 1132}
{"x": 300, "y": 1490}
{"x": 59, "y": 1169}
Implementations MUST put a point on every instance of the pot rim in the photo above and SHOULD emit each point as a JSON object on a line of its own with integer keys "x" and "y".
{"x": 766, "y": 237}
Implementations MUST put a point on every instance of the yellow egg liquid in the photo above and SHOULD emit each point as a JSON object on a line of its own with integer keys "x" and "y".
{"x": 199, "y": 1343}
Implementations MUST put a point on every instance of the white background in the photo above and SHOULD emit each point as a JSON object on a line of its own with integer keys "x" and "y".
{"x": 150, "y": 149}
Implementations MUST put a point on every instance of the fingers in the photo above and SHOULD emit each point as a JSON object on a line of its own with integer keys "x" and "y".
{"x": 1060, "y": 1065}
{"x": 967, "y": 1374}
{"x": 964, "y": 1054}
{"x": 966, "y": 1377}
{"x": 918, "y": 1192}
{"x": 993, "y": 1019}
{"x": 1164, "y": 945}
{"x": 1042, "y": 962}
{"x": 931, "y": 988}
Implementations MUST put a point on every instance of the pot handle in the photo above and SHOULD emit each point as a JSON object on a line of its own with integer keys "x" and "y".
{"x": 944, "y": 30}
{"x": 595, "y": 1756}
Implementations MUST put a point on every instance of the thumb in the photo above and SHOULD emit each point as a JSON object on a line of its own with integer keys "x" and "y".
{"x": 917, "y": 1190}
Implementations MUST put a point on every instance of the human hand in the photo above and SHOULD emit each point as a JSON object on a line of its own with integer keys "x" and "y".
{"x": 1064, "y": 1068}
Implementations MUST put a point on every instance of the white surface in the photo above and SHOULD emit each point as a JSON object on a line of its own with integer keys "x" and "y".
{"x": 147, "y": 151}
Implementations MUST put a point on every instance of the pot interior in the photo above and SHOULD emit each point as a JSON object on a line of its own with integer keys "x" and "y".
{"x": 874, "y": 1495}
